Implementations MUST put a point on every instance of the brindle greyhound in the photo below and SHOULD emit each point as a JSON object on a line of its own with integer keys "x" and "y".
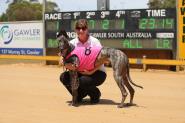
{"x": 119, "y": 62}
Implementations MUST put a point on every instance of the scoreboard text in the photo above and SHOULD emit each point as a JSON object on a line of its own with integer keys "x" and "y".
{"x": 129, "y": 29}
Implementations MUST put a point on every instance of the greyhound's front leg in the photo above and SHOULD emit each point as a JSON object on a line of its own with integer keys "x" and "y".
{"x": 74, "y": 86}
{"x": 74, "y": 97}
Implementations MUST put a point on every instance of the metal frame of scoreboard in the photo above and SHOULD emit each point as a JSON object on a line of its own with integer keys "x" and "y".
{"x": 150, "y": 32}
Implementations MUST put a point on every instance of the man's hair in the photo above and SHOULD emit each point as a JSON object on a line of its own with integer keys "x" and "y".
{"x": 81, "y": 23}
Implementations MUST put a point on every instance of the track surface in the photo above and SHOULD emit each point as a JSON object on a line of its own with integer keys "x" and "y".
{"x": 32, "y": 93}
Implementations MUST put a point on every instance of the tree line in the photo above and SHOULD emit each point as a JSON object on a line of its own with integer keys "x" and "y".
{"x": 161, "y": 3}
{"x": 22, "y": 10}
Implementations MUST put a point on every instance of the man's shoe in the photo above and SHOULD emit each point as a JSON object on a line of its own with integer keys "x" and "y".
{"x": 81, "y": 94}
{"x": 95, "y": 98}
{"x": 79, "y": 99}
{"x": 94, "y": 101}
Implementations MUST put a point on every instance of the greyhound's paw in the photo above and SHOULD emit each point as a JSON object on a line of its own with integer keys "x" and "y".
{"x": 126, "y": 105}
{"x": 120, "y": 106}
{"x": 73, "y": 104}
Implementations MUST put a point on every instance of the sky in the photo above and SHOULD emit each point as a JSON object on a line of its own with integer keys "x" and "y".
{"x": 84, "y": 5}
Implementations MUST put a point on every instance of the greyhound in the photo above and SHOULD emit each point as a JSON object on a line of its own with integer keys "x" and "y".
{"x": 119, "y": 62}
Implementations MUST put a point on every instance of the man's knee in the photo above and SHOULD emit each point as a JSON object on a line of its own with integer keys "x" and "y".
{"x": 100, "y": 77}
{"x": 65, "y": 78}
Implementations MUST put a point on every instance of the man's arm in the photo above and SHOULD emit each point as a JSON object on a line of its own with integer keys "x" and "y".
{"x": 90, "y": 72}
{"x": 98, "y": 64}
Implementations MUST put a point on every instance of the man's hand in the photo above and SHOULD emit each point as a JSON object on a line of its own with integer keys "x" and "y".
{"x": 70, "y": 66}
{"x": 86, "y": 72}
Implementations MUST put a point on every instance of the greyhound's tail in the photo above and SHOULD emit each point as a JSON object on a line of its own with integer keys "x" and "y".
{"x": 128, "y": 76}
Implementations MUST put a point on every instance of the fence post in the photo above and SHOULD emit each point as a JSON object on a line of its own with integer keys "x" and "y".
{"x": 180, "y": 67}
{"x": 144, "y": 65}
{"x": 177, "y": 68}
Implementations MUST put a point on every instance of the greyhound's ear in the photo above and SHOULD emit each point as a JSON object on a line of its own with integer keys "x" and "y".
{"x": 64, "y": 33}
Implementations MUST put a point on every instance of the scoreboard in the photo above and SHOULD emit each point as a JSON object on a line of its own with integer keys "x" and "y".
{"x": 124, "y": 29}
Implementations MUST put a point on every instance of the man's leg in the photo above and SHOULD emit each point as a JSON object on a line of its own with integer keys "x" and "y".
{"x": 65, "y": 79}
{"x": 94, "y": 94}
{"x": 90, "y": 82}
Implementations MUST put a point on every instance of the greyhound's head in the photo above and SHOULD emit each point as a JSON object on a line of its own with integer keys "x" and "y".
{"x": 63, "y": 43}
{"x": 63, "y": 40}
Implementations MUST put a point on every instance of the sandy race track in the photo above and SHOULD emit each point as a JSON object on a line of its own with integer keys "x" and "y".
{"x": 32, "y": 93}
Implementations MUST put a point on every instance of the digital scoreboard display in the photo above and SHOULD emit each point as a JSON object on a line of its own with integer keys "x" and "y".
{"x": 124, "y": 29}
